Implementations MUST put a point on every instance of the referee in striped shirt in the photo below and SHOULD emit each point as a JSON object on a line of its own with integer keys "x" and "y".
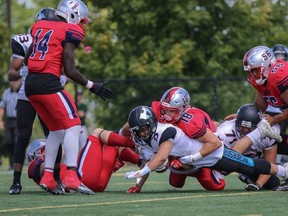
{"x": 8, "y": 117}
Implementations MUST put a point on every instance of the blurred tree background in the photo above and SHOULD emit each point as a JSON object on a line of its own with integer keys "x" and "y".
{"x": 144, "y": 47}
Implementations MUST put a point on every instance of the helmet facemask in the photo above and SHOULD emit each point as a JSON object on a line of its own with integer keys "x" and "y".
{"x": 143, "y": 135}
{"x": 247, "y": 118}
{"x": 143, "y": 124}
{"x": 171, "y": 115}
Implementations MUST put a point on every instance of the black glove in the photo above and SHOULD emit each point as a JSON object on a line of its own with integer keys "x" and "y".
{"x": 101, "y": 91}
{"x": 253, "y": 187}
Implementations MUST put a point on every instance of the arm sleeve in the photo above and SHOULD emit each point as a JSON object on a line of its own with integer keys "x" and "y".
{"x": 168, "y": 133}
{"x": 17, "y": 49}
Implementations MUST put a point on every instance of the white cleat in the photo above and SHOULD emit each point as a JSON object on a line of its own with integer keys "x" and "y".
{"x": 267, "y": 131}
{"x": 286, "y": 170}
{"x": 84, "y": 189}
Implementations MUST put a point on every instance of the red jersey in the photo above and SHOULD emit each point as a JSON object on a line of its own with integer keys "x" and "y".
{"x": 194, "y": 122}
{"x": 275, "y": 85}
{"x": 48, "y": 40}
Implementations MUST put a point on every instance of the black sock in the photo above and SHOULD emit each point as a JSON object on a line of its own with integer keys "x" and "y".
{"x": 57, "y": 174}
{"x": 17, "y": 176}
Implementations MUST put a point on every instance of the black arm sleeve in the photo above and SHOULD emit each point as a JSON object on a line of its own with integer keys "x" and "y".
{"x": 17, "y": 48}
{"x": 167, "y": 134}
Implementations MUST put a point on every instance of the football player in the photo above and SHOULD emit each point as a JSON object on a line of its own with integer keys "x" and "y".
{"x": 25, "y": 111}
{"x": 174, "y": 107}
{"x": 268, "y": 76}
{"x": 230, "y": 132}
{"x": 51, "y": 53}
{"x": 97, "y": 160}
{"x": 168, "y": 140}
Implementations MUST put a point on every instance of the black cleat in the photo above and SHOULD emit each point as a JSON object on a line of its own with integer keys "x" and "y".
{"x": 15, "y": 188}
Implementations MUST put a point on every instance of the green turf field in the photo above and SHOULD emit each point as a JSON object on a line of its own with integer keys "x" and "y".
{"x": 157, "y": 198}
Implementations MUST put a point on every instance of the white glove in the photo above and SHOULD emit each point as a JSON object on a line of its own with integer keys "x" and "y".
{"x": 23, "y": 71}
{"x": 130, "y": 175}
{"x": 186, "y": 159}
{"x": 190, "y": 158}
{"x": 63, "y": 80}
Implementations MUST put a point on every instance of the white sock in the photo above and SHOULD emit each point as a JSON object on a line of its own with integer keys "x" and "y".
{"x": 71, "y": 145}
{"x": 51, "y": 148}
{"x": 254, "y": 135}
{"x": 281, "y": 171}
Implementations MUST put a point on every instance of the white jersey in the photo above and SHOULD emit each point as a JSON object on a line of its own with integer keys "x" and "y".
{"x": 24, "y": 41}
{"x": 19, "y": 49}
{"x": 227, "y": 133}
{"x": 182, "y": 146}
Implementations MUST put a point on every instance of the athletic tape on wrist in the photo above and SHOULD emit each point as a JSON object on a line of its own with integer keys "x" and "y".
{"x": 145, "y": 170}
{"x": 89, "y": 84}
{"x": 197, "y": 156}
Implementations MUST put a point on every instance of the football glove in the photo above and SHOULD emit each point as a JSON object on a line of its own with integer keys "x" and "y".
{"x": 135, "y": 189}
{"x": 130, "y": 175}
{"x": 253, "y": 187}
{"x": 176, "y": 164}
{"x": 101, "y": 91}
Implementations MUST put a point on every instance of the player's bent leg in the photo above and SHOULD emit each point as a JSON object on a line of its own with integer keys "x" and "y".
{"x": 90, "y": 162}
{"x": 110, "y": 154}
{"x": 177, "y": 180}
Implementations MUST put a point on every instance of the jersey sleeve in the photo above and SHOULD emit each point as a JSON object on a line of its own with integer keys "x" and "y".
{"x": 168, "y": 134}
{"x": 34, "y": 170}
{"x": 195, "y": 127}
{"x": 74, "y": 34}
{"x": 281, "y": 76}
{"x": 17, "y": 49}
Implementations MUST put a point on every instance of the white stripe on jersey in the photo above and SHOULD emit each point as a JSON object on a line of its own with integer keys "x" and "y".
{"x": 67, "y": 107}
{"x": 83, "y": 156}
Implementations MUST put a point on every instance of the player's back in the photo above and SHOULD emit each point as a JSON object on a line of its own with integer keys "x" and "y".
{"x": 195, "y": 122}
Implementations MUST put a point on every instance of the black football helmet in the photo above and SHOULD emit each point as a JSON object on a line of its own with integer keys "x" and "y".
{"x": 46, "y": 14}
{"x": 248, "y": 116}
{"x": 280, "y": 51}
{"x": 140, "y": 117}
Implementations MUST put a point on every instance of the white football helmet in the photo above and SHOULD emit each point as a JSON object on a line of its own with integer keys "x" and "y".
{"x": 73, "y": 11}
{"x": 258, "y": 62}
{"x": 36, "y": 149}
{"x": 177, "y": 99}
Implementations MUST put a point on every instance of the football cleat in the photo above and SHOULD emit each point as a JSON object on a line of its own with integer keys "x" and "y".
{"x": 59, "y": 190}
{"x": 281, "y": 188}
{"x": 267, "y": 131}
{"x": 47, "y": 182}
{"x": 85, "y": 190}
{"x": 15, "y": 188}
{"x": 286, "y": 170}
{"x": 72, "y": 182}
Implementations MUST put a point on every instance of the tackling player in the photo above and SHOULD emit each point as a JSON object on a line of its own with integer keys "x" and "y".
{"x": 168, "y": 140}
{"x": 174, "y": 107}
